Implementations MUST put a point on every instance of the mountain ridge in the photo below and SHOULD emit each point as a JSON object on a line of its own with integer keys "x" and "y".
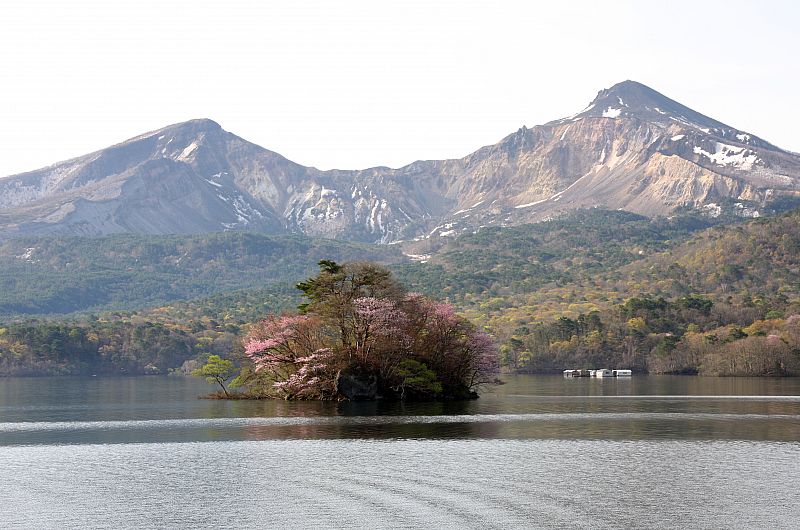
{"x": 632, "y": 148}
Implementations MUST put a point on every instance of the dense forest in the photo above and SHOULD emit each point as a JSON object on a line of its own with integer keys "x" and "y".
{"x": 722, "y": 302}
{"x": 687, "y": 294}
{"x": 498, "y": 262}
{"x": 50, "y": 276}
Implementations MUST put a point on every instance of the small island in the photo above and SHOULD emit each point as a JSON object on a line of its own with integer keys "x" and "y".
{"x": 361, "y": 336}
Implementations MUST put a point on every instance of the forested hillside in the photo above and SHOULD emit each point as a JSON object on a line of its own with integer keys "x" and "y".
{"x": 499, "y": 262}
{"x": 595, "y": 288}
{"x": 720, "y": 303}
{"x": 50, "y": 276}
{"x": 153, "y": 341}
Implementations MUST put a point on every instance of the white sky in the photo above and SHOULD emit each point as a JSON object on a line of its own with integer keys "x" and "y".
{"x": 353, "y": 84}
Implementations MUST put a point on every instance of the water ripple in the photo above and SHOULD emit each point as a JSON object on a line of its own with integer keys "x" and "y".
{"x": 380, "y": 420}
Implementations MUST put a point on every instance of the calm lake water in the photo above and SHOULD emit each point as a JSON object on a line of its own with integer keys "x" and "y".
{"x": 537, "y": 452}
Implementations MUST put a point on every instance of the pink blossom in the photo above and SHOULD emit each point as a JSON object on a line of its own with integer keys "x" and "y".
{"x": 320, "y": 354}
{"x": 274, "y": 332}
{"x": 481, "y": 343}
{"x": 381, "y": 316}
{"x": 444, "y": 311}
{"x": 443, "y": 315}
{"x": 257, "y": 346}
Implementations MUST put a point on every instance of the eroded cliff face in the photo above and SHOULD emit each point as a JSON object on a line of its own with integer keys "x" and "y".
{"x": 631, "y": 148}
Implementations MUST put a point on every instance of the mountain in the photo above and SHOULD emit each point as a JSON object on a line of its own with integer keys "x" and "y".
{"x": 631, "y": 148}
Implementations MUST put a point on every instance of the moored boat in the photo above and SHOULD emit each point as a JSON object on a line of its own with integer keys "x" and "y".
{"x": 600, "y": 373}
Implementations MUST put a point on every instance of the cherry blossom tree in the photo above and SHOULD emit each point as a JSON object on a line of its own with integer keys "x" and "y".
{"x": 289, "y": 349}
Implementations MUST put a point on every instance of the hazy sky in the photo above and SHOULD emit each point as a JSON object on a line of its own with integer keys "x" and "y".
{"x": 352, "y": 84}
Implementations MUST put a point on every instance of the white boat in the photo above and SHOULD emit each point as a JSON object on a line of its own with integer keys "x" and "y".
{"x": 603, "y": 372}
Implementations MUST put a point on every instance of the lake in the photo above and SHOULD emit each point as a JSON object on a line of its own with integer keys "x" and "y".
{"x": 536, "y": 452}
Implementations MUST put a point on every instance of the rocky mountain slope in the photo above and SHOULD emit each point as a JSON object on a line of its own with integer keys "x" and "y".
{"x": 631, "y": 148}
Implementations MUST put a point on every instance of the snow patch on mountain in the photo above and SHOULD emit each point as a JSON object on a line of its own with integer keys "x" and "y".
{"x": 529, "y": 204}
{"x": 187, "y": 152}
{"x": 557, "y": 196}
{"x": 465, "y": 210}
{"x": 28, "y": 255}
{"x": 744, "y": 211}
{"x": 729, "y": 155}
{"x": 712, "y": 210}
{"x": 449, "y": 230}
{"x": 576, "y": 116}
{"x": 420, "y": 258}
